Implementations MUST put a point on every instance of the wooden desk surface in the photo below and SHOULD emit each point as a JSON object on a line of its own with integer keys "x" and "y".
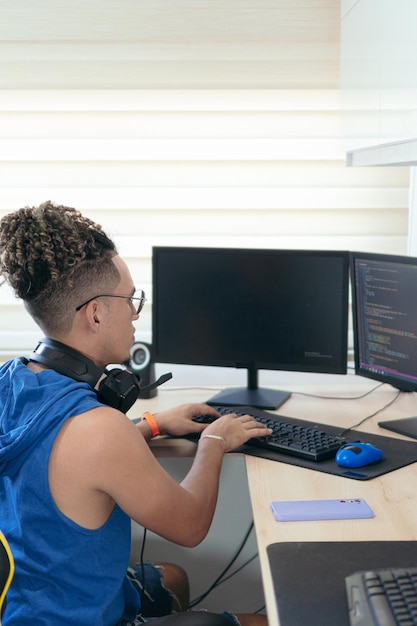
{"x": 393, "y": 496}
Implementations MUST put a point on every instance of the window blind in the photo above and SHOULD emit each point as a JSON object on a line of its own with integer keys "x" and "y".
{"x": 242, "y": 168}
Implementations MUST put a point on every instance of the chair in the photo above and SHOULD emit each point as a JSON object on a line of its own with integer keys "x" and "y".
{"x": 6, "y": 571}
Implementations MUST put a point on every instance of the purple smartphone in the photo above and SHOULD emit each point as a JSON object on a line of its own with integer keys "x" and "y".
{"x": 302, "y": 510}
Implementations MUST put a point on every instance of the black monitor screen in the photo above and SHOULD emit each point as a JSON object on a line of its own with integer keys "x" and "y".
{"x": 253, "y": 309}
{"x": 384, "y": 296}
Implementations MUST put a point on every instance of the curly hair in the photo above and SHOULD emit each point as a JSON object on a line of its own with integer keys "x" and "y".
{"x": 54, "y": 258}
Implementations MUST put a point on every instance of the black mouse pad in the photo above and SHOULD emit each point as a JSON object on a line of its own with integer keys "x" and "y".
{"x": 406, "y": 426}
{"x": 309, "y": 577}
{"x": 397, "y": 452}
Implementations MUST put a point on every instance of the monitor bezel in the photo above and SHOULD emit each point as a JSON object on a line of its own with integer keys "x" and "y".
{"x": 397, "y": 382}
{"x": 339, "y": 368}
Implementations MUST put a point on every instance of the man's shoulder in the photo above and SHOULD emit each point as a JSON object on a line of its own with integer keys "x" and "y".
{"x": 102, "y": 421}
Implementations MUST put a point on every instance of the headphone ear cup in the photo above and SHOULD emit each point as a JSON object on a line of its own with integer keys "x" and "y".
{"x": 119, "y": 389}
{"x": 141, "y": 363}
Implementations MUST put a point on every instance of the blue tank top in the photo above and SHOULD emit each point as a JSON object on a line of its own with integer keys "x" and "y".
{"x": 65, "y": 574}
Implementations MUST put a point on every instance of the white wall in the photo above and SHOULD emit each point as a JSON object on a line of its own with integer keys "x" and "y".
{"x": 378, "y": 77}
{"x": 379, "y": 88}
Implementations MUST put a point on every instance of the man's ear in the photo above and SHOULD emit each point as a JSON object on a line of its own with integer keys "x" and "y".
{"x": 96, "y": 313}
{"x": 92, "y": 314}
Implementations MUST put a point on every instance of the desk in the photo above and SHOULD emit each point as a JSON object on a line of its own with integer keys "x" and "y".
{"x": 393, "y": 496}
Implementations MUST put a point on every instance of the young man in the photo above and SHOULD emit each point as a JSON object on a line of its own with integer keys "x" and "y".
{"x": 74, "y": 471}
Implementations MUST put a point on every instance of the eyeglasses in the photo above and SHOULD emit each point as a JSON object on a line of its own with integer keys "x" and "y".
{"x": 137, "y": 303}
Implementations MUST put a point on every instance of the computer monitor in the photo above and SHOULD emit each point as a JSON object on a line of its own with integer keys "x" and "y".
{"x": 252, "y": 309}
{"x": 384, "y": 300}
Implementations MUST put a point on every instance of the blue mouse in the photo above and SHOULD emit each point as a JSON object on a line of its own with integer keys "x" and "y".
{"x": 357, "y": 454}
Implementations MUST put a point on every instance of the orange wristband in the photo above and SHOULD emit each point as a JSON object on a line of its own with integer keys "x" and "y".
{"x": 152, "y": 423}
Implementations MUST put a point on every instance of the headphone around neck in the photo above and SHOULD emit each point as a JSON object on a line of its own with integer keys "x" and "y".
{"x": 116, "y": 387}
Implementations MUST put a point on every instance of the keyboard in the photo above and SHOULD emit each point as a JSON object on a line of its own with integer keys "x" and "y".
{"x": 290, "y": 436}
{"x": 383, "y": 597}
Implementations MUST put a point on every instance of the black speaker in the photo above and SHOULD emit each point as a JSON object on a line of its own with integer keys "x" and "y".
{"x": 142, "y": 365}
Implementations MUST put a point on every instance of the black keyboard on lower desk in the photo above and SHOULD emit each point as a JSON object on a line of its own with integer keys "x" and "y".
{"x": 303, "y": 440}
{"x": 383, "y": 597}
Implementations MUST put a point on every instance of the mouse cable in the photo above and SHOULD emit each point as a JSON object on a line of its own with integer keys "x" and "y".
{"x": 195, "y": 387}
{"x": 312, "y": 395}
{"x": 142, "y": 566}
{"x": 236, "y": 571}
{"x": 218, "y": 580}
{"x": 346, "y": 430}
{"x": 298, "y": 393}
{"x": 139, "y": 584}
{"x": 225, "y": 570}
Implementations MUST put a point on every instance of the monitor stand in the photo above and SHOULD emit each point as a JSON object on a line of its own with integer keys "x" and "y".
{"x": 252, "y": 395}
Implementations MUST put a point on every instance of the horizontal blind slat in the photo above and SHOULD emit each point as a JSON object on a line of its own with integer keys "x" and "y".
{"x": 121, "y": 100}
{"x": 170, "y": 149}
{"x": 242, "y": 198}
